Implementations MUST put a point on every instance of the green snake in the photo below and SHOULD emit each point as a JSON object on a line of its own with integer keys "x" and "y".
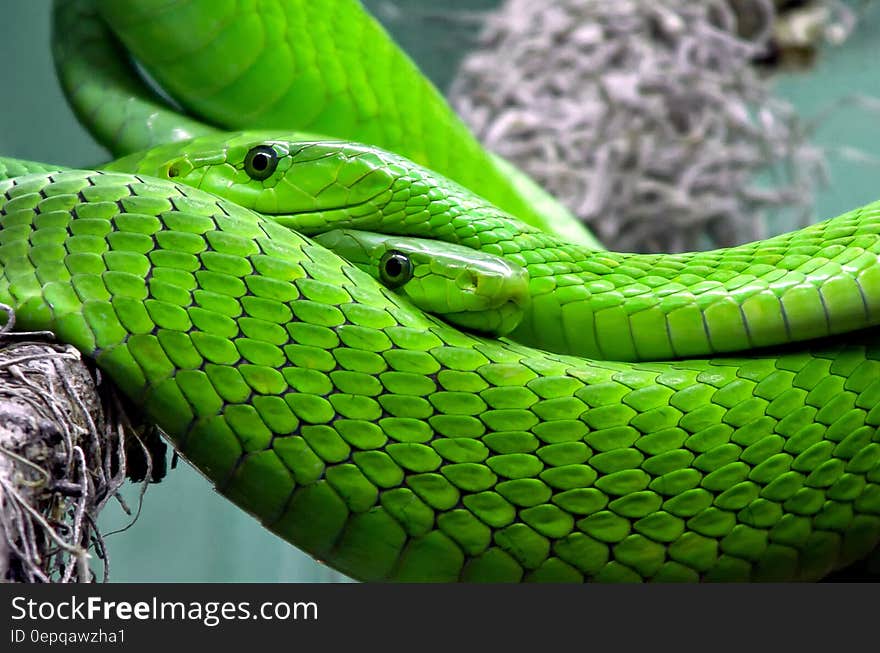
{"x": 819, "y": 281}
{"x": 325, "y": 67}
{"x": 476, "y": 291}
{"x": 396, "y": 447}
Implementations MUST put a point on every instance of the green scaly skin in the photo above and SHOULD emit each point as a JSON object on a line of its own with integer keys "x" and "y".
{"x": 10, "y": 167}
{"x": 819, "y": 281}
{"x": 323, "y": 67}
{"x": 103, "y": 87}
{"x": 470, "y": 289}
{"x": 561, "y": 469}
{"x": 395, "y": 447}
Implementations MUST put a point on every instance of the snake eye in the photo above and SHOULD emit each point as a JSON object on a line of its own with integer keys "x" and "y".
{"x": 260, "y": 162}
{"x": 395, "y": 268}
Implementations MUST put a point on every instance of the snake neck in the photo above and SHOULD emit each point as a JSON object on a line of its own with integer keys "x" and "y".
{"x": 819, "y": 281}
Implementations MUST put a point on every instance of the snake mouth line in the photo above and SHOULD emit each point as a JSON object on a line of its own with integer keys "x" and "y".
{"x": 293, "y": 220}
{"x": 288, "y": 218}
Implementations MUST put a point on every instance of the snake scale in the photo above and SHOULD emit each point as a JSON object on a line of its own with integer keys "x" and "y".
{"x": 396, "y": 447}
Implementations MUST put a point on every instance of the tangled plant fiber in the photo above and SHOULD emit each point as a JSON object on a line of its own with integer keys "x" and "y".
{"x": 63, "y": 455}
{"x": 647, "y": 119}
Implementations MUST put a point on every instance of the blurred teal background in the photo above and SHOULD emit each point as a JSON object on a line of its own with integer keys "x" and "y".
{"x": 188, "y": 533}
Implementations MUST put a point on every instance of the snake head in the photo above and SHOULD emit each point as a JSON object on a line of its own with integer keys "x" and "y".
{"x": 314, "y": 185}
{"x": 471, "y": 289}
{"x": 283, "y": 175}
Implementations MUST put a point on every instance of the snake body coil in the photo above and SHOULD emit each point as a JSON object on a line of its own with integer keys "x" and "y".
{"x": 395, "y": 447}
{"x": 378, "y": 438}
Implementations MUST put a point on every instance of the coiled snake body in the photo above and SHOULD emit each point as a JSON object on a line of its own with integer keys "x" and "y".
{"x": 393, "y": 446}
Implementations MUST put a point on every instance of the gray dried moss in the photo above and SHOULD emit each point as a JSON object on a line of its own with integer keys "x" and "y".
{"x": 649, "y": 120}
{"x": 62, "y": 458}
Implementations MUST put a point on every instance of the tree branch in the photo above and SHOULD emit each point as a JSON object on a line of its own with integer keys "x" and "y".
{"x": 63, "y": 439}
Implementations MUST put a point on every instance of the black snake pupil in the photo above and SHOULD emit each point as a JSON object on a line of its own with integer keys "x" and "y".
{"x": 261, "y": 162}
{"x": 394, "y": 267}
